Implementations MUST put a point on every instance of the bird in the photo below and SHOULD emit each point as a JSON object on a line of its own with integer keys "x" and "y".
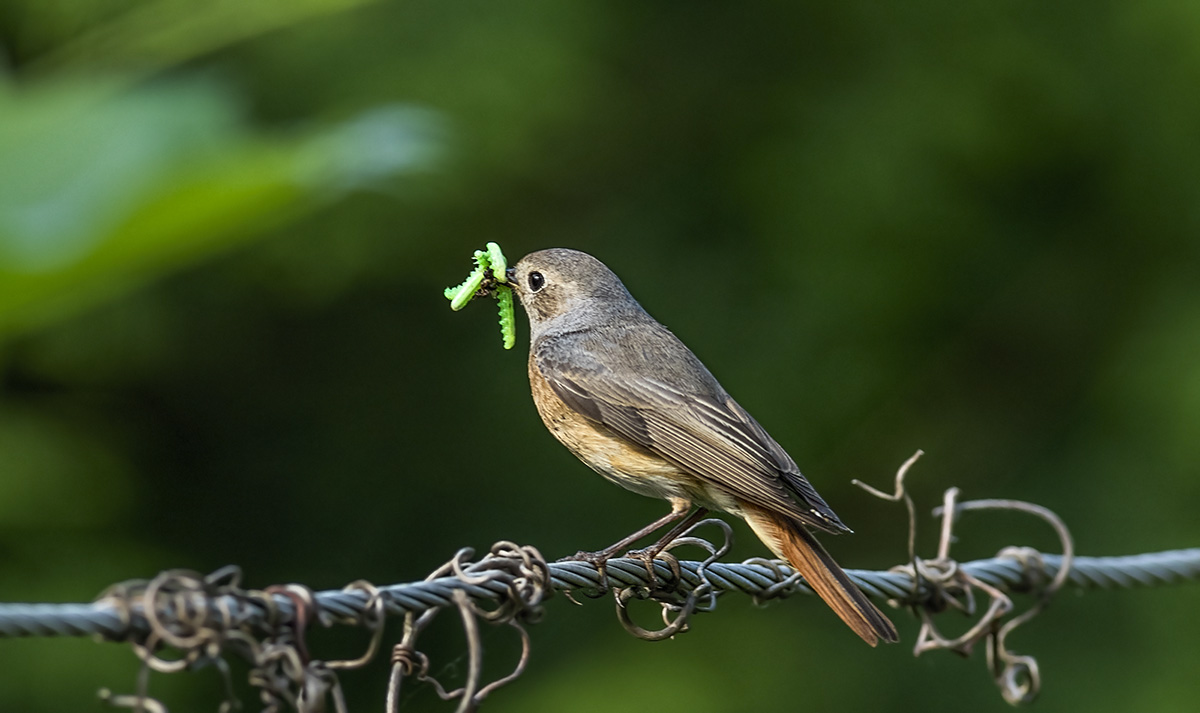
{"x": 631, "y": 401}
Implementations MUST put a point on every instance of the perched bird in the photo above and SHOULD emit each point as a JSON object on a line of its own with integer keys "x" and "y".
{"x": 623, "y": 394}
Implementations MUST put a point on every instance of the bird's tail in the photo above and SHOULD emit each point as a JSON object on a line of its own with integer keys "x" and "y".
{"x": 794, "y": 543}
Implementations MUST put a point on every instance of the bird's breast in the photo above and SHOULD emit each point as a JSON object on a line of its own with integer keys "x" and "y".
{"x": 625, "y": 463}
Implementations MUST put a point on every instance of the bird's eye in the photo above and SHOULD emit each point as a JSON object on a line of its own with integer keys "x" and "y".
{"x": 536, "y": 281}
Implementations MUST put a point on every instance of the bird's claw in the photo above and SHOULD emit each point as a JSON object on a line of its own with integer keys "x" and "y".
{"x": 595, "y": 559}
{"x": 649, "y": 555}
{"x": 599, "y": 560}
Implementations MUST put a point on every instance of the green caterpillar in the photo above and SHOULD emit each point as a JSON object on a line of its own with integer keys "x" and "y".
{"x": 492, "y": 261}
{"x": 508, "y": 328}
{"x": 499, "y": 263}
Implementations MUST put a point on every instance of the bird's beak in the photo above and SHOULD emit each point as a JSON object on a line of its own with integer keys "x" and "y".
{"x": 511, "y": 275}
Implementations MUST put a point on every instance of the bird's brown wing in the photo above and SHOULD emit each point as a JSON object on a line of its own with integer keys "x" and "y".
{"x": 681, "y": 413}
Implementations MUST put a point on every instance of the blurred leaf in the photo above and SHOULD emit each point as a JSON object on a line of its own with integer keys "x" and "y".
{"x": 97, "y": 183}
{"x": 76, "y": 159}
{"x": 160, "y": 34}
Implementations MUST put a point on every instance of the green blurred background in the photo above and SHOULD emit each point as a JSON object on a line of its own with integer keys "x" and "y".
{"x": 963, "y": 227}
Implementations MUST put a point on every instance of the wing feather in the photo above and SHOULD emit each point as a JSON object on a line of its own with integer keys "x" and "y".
{"x": 679, "y": 412}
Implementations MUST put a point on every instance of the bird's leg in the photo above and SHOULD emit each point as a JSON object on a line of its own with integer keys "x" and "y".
{"x": 648, "y": 555}
{"x": 598, "y": 559}
{"x": 678, "y": 508}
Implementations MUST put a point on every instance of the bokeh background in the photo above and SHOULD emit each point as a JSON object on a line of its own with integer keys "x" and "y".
{"x": 964, "y": 227}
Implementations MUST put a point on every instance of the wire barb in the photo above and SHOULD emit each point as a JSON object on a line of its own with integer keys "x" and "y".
{"x": 526, "y": 577}
{"x": 941, "y": 583}
{"x": 667, "y": 591}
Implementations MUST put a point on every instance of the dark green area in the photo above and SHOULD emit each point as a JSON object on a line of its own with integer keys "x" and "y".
{"x": 225, "y": 228}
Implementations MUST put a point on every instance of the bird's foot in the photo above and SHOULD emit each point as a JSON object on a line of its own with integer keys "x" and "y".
{"x": 596, "y": 559}
{"x": 599, "y": 560}
{"x": 649, "y": 555}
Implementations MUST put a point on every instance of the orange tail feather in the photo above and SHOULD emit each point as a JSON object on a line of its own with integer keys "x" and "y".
{"x": 794, "y": 543}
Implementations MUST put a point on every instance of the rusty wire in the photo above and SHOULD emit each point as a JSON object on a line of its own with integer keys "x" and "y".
{"x": 528, "y": 580}
{"x": 942, "y": 584}
{"x": 278, "y": 665}
{"x": 182, "y": 620}
{"x": 756, "y": 577}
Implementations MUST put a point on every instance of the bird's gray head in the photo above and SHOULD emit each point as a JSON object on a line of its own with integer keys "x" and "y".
{"x": 569, "y": 289}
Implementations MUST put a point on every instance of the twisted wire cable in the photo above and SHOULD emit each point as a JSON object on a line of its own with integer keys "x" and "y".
{"x": 760, "y": 578}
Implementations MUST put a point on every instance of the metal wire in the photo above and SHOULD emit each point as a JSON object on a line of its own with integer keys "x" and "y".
{"x": 757, "y": 578}
{"x": 182, "y": 620}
